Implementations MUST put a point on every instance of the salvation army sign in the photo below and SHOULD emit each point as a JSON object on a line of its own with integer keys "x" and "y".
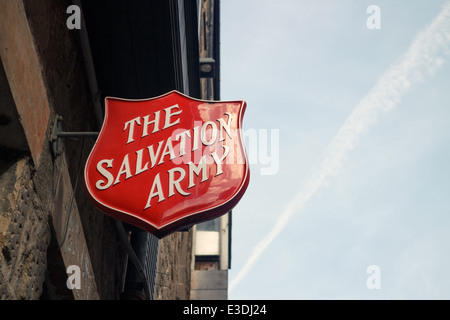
{"x": 166, "y": 163}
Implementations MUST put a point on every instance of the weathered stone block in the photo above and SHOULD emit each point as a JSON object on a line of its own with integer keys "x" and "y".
{"x": 24, "y": 234}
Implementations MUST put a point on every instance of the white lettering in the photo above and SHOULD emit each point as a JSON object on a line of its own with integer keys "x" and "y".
{"x": 152, "y": 154}
{"x": 195, "y": 144}
{"x": 218, "y": 160}
{"x": 211, "y": 311}
{"x": 168, "y": 150}
{"x": 204, "y": 143}
{"x": 153, "y": 193}
{"x": 213, "y": 131}
{"x": 167, "y": 123}
{"x": 182, "y": 137}
{"x": 124, "y": 168}
{"x": 196, "y": 169}
{"x": 155, "y": 123}
{"x": 139, "y": 168}
{"x": 176, "y": 183}
{"x": 101, "y": 184}
{"x": 131, "y": 125}
{"x": 226, "y": 126}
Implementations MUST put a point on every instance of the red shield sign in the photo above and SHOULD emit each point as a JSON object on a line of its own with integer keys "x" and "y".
{"x": 166, "y": 163}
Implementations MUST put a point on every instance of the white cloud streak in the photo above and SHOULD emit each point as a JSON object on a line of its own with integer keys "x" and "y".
{"x": 425, "y": 55}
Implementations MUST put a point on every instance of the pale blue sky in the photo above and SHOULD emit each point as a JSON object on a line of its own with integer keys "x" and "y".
{"x": 303, "y": 67}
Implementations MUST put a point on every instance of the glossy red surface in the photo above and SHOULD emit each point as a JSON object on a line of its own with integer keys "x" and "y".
{"x": 145, "y": 167}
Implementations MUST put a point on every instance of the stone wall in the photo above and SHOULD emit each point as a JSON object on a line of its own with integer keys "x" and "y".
{"x": 24, "y": 233}
{"x": 173, "y": 275}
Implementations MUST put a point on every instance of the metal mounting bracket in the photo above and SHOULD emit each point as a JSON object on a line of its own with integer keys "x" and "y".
{"x": 58, "y": 134}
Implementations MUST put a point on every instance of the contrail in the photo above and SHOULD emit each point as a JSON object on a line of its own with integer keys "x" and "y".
{"x": 424, "y": 56}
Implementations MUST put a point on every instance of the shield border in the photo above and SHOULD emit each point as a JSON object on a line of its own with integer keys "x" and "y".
{"x": 184, "y": 221}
